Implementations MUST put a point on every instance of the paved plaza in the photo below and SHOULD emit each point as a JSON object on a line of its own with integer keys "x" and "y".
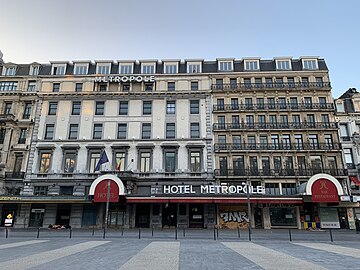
{"x": 195, "y": 250}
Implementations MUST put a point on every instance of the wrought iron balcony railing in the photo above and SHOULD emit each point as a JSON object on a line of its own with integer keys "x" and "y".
{"x": 250, "y": 86}
{"x": 14, "y": 175}
{"x": 267, "y": 125}
{"x": 280, "y": 146}
{"x": 273, "y": 106}
{"x": 276, "y": 173}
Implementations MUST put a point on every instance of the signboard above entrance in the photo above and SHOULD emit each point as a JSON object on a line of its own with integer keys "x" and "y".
{"x": 99, "y": 188}
{"x": 323, "y": 190}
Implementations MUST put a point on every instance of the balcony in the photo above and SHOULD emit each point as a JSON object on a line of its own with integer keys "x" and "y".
{"x": 14, "y": 175}
{"x": 276, "y": 173}
{"x": 272, "y": 126}
{"x": 274, "y": 107}
{"x": 273, "y": 86}
{"x": 276, "y": 147}
{"x": 7, "y": 117}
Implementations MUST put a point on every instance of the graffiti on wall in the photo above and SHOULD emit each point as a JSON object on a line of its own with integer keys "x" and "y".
{"x": 232, "y": 217}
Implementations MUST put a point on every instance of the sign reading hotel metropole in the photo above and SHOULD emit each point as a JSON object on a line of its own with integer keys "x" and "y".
{"x": 124, "y": 79}
{"x": 224, "y": 189}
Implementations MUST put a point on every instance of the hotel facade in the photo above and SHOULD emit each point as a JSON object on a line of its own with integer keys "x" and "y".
{"x": 185, "y": 140}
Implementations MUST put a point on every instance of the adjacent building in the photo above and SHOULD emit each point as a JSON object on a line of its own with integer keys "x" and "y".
{"x": 181, "y": 142}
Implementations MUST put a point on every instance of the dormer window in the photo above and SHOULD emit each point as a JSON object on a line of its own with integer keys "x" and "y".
{"x": 103, "y": 68}
{"x": 225, "y": 65}
{"x": 193, "y": 67}
{"x": 170, "y": 68}
{"x": 251, "y": 64}
{"x": 34, "y": 70}
{"x": 10, "y": 71}
{"x": 340, "y": 106}
{"x": 283, "y": 64}
{"x": 148, "y": 68}
{"x": 81, "y": 69}
{"x": 125, "y": 68}
{"x": 58, "y": 69}
{"x": 310, "y": 64}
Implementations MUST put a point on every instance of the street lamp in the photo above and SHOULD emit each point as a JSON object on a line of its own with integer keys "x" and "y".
{"x": 249, "y": 206}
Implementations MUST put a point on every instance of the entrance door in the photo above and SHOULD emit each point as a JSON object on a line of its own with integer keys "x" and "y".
{"x": 142, "y": 217}
{"x": 343, "y": 219}
{"x": 63, "y": 215}
{"x": 258, "y": 218}
{"x": 196, "y": 218}
{"x": 169, "y": 215}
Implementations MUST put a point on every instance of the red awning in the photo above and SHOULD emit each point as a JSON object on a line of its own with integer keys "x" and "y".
{"x": 355, "y": 180}
{"x": 221, "y": 200}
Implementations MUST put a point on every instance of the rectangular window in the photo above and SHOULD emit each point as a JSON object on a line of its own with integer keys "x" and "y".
{"x": 94, "y": 157}
{"x": 146, "y": 131}
{"x": 49, "y": 132}
{"x": 234, "y": 104}
{"x": 76, "y": 108}
{"x": 8, "y": 86}
{"x": 7, "y": 108}
{"x": 145, "y": 161}
{"x": 149, "y": 87}
{"x": 348, "y": 157}
{"x": 194, "y": 107}
{"x": 120, "y": 161}
{"x": 194, "y": 68}
{"x": 147, "y": 107}
{"x": 73, "y": 131}
{"x": 223, "y": 166}
{"x": 248, "y": 104}
{"x": 316, "y": 164}
{"x": 10, "y": 71}
{"x": 40, "y": 191}
{"x": 272, "y": 189}
{"x": 283, "y": 64}
{"x": 344, "y": 133}
{"x": 233, "y": 83}
{"x": 219, "y": 83}
{"x": 123, "y": 107}
{"x": 121, "y": 133}
{"x": 99, "y": 107}
{"x": 56, "y": 87}
{"x": 31, "y": 86}
{"x": 44, "y": 163}
{"x": 70, "y": 158}
{"x": 170, "y": 160}
{"x": 97, "y": 132}
{"x": 59, "y": 70}
{"x": 251, "y": 65}
{"x": 170, "y": 107}
{"x": 125, "y": 69}
{"x": 238, "y": 165}
{"x": 22, "y": 137}
{"x": 195, "y": 161}
{"x": 27, "y": 110}
{"x": 194, "y": 130}
{"x": 319, "y": 81}
{"x": 170, "y": 130}
{"x": 2, "y": 135}
{"x": 310, "y": 64}
{"x": 102, "y": 87}
{"x": 194, "y": 86}
{"x": 148, "y": 69}
{"x": 265, "y": 162}
{"x": 103, "y": 69}
{"x": 171, "y": 86}
{"x": 52, "y": 108}
{"x": 298, "y": 141}
{"x": 78, "y": 87}
{"x": 220, "y": 103}
{"x": 226, "y": 66}
{"x": 34, "y": 70}
{"x": 170, "y": 69}
{"x": 80, "y": 69}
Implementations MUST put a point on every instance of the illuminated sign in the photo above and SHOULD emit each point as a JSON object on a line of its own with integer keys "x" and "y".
{"x": 124, "y": 79}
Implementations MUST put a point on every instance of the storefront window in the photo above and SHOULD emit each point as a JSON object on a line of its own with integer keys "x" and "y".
{"x": 283, "y": 216}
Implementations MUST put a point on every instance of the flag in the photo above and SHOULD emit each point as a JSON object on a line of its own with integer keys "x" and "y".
{"x": 118, "y": 167}
{"x": 103, "y": 159}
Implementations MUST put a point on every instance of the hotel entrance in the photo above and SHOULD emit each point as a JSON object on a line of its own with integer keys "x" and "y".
{"x": 196, "y": 216}
{"x": 142, "y": 217}
{"x": 169, "y": 215}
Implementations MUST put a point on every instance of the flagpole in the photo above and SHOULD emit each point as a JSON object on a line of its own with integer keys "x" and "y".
{"x": 107, "y": 207}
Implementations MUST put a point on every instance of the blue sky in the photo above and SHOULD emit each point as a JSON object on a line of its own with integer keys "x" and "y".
{"x": 43, "y": 31}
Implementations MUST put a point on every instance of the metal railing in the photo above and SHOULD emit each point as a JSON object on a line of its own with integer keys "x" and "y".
{"x": 280, "y": 146}
{"x": 273, "y": 85}
{"x": 267, "y": 125}
{"x": 276, "y": 173}
{"x": 273, "y": 106}
{"x": 15, "y": 175}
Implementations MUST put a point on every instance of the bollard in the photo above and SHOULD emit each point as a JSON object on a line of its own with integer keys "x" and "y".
{"x": 93, "y": 231}
{"x": 249, "y": 235}
{"x": 175, "y": 233}
{"x": 139, "y": 232}
{"x": 152, "y": 230}
{"x": 290, "y": 238}
{"x": 38, "y": 233}
{"x": 238, "y": 232}
{"x": 122, "y": 231}
{"x": 6, "y": 233}
{"x": 104, "y": 234}
{"x": 70, "y": 233}
{"x": 331, "y": 236}
{"x": 217, "y": 233}
{"x": 184, "y": 232}
{"x": 214, "y": 234}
